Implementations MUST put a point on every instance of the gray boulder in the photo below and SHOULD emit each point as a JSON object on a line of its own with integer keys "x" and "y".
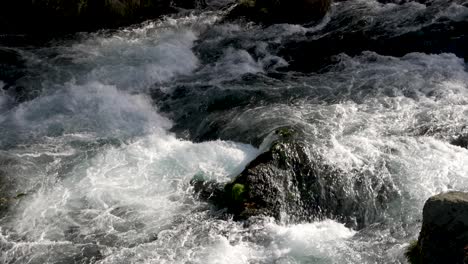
{"x": 444, "y": 232}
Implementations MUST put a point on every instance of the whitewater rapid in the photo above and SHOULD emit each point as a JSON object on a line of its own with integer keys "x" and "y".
{"x": 100, "y": 177}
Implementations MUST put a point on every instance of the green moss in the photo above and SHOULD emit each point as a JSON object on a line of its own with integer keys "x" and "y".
{"x": 285, "y": 132}
{"x": 238, "y": 192}
{"x": 413, "y": 253}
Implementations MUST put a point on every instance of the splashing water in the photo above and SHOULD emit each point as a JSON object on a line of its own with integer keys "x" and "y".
{"x": 100, "y": 178}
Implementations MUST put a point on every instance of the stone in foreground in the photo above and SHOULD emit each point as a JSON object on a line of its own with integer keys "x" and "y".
{"x": 444, "y": 232}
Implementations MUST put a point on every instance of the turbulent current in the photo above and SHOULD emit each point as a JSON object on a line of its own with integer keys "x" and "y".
{"x": 101, "y": 133}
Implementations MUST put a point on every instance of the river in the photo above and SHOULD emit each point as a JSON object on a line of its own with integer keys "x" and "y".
{"x": 101, "y": 133}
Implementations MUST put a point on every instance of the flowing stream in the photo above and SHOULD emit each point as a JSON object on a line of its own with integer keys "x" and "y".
{"x": 102, "y": 133}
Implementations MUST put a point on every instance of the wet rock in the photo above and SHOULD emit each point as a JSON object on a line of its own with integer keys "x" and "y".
{"x": 461, "y": 141}
{"x": 444, "y": 232}
{"x": 76, "y": 15}
{"x": 283, "y": 11}
{"x": 291, "y": 183}
{"x": 211, "y": 191}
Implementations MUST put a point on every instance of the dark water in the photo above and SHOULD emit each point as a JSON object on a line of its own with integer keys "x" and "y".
{"x": 100, "y": 133}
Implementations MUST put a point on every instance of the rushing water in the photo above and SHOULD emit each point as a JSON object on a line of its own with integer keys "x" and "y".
{"x": 102, "y": 132}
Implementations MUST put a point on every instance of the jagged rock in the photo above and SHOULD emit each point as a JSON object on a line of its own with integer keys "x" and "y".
{"x": 444, "y": 232}
{"x": 290, "y": 183}
{"x": 282, "y": 11}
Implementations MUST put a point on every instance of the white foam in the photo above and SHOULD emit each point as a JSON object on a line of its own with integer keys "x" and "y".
{"x": 320, "y": 240}
{"x": 92, "y": 107}
{"x": 393, "y": 123}
{"x": 150, "y": 175}
{"x": 148, "y": 60}
{"x": 101, "y": 168}
{"x": 113, "y": 194}
{"x": 455, "y": 12}
{"x": 132, "y": 59}
{"x": 216, "y": 242}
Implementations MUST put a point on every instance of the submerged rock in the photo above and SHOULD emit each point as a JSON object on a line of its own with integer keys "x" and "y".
{"x": 282, "y": 11}
{"x": 444, "y": 232}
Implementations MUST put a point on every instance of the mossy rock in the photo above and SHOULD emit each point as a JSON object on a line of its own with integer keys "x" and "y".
{"x": 444, "y": 231}
{"x": 291, "y": 179}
